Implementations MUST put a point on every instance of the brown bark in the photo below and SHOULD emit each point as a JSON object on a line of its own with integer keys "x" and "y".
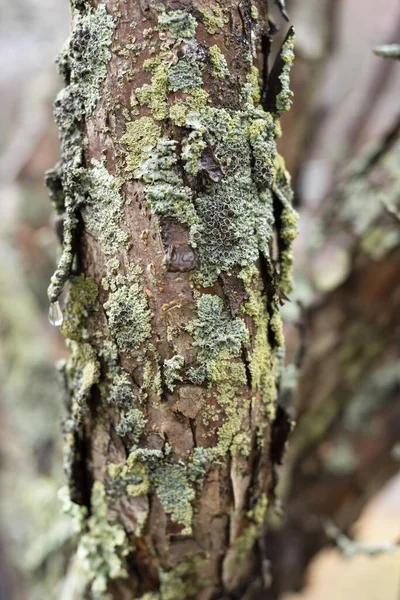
{"x": 184, "y": 460}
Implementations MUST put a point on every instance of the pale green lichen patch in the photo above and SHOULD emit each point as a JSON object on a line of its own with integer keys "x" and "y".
{"x": 214, "y": 331}
{"x": 235, "y": 213}
{"x": 213, "y": 19}
{"x": 185, "y": 75}
{"x": 82, "y": 298}
{"x": 284, "y": 98}
{"x": 121, "y": 391}
{"x": 287, "y": 226}
{"x": 127, "y": 310}
{"x": 175, "y": 493}
{"x": 155, "y": 94}
{"x": 86, "y": 56}
{"x": 264, "y": 361}
{"x": 102, "y": 545}
{"x": 172, "y": 369}
{"x": 132, "y": 424}
{"x": 140, "y": 135}
{"x": 83, "y": 64}
{"x": 165, "y": 192}
{"x": 82, "y": 371}
{"x": 104, "y": 208}
{"x": 183, "y": 582}
{"x": 218, "y": 61}
{"x": 181, "y": 25}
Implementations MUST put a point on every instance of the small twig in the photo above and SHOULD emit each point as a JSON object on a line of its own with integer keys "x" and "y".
{"x": 351, "y": 548}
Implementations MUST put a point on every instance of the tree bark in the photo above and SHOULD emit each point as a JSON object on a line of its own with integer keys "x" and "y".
{"x": 176, "y": 219}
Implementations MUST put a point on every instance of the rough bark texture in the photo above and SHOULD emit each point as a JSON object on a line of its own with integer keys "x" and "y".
{"x": 177, "y": 225}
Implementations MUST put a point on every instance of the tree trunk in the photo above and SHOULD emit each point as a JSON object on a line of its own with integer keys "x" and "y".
{"x": 177, "y": 225}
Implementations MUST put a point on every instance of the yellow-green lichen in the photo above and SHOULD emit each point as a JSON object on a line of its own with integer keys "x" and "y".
{"x": 253, "y": 78}
{"x": 263, "y": 362}
{"x": 213, "y": 19}
{"x": 133, "y": 475}
{"x": 102, "y": 545}
{"x": 140, "y": 135}
{"x": 245, "y": 542}
{"x": 184, "y": 581}
{"x": 82, "y": 298}
{"x": 155, "y": 95}
{"x": 82, "y": 371}
{"x": 284, "y": 98}
{"x": 218, "y": 61}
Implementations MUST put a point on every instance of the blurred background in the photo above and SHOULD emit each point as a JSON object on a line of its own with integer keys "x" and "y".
{"x": 341, "y": 143}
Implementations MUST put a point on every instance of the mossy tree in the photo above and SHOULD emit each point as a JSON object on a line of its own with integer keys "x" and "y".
{"x": 177, "y": 227}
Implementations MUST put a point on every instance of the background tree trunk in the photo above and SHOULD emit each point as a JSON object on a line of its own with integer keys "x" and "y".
{"x": 171, "y": 192}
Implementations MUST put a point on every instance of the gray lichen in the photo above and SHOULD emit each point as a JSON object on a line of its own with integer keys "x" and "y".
{"x": 214, "y": 331}
{"x": 172, "y": 368}
{"x": 128, "y": 314}
{"x": 83, "y": 64}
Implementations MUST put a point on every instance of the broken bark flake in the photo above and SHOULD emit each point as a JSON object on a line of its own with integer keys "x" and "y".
{"x": 209, "y": 164}
{"x": 234, "y": 291}
{"x": 274, "y": 84}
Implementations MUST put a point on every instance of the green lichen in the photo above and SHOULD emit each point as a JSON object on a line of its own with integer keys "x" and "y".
{"x": 218, "y": 61}
{"x": 213, "y": 19}
{"x": 83, "y": 372}
{"x": 140, "y": 135}
{"x": 214, "y": 331}
{"x": 172, "y": 368}
{"x": 263, "y": 361}
{"x": 155, "y": 94}
{"x": 166, "y": 193}
{"x": 284, "y": 98}
{"x": 184, "y": 581}
{"x": 102, "y": 545}
{"x": 185, "y": 75}
{"x": 121, "y": 392}
{"x": 104, "y": 208}
{"x": 180, "y": 24}
{"x": 87, "y": 54}
{"x": 228, "y": 378}
{"x": 236, "y": 213}
{"x": 83, "y": 64}
{"x": 254, "y": 12}
{"x": 132, "y": 474}
{"x": 82, "y": 299}
{"x": 128, "y": 314}
{"x": 245, "y": 542}
{"x": 178, "y": 113}
{"x": 287, "y": 226}
{"x": 175, "y": 493}
{"x": 132, "y": 424}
